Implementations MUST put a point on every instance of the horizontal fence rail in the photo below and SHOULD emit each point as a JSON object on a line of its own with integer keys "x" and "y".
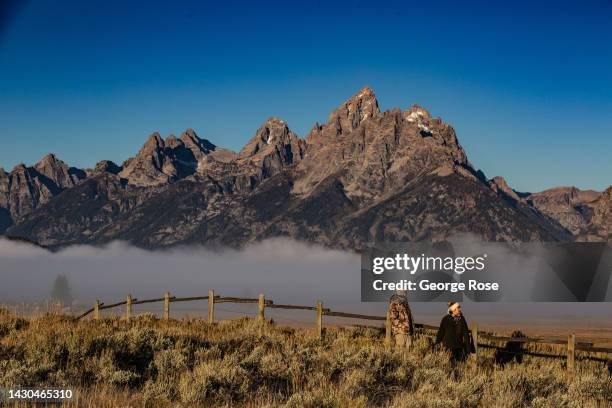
{"x": 571, "y": 345}
{"x": 533, "y": 340}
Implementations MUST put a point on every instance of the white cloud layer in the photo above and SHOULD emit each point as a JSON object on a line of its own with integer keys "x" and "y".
{"x": 284, "y": 270}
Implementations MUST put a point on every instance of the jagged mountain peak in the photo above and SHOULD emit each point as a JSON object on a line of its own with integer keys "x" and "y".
{"x": 172, "y": 141}
{"x": 274, "y": 121}
{"x": 189, "y": 135}
{"x": 162, "y": 161}
{"x": 193, "y": 142}
{"x": 354, "y": 111}
{"x": 273, "y": 132}
{"x": 273, "y": 148}
{"x": 500, "y": 181}
{"x": 154, "y": 141}
{"x": 500, "y": 185}
{"x": 19, "y": 167}
{"x": 416, "y": 113}
{"x": 364, "y": 176}
{"x": 378, "y": 152}
{"x": 26, "y": 188}
{"x": 49, "y": 158}
{"x": 149, "y": 166}
{"x": 366, "y": 95}
{"x": 58, "y": 172}
{"x": 106, "y": 166}
{"x": 50, "y": 164}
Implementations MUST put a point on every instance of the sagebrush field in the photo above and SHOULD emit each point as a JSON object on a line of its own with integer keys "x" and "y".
{"x": 148, "y": 362}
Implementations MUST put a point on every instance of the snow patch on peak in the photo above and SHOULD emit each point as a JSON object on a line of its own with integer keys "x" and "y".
{"x": 415, "y": 115}
{"x": 418, "y": 116}
{"x": 276, "y": 121}
{"x": 424, "y": 127}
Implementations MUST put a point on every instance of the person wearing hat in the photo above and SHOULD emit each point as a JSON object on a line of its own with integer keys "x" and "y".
{"x": 454, "y": 334}
{"x": 402, "y": 325}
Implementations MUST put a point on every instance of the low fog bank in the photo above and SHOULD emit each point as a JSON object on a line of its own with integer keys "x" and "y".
{"x": 285, "y": 271}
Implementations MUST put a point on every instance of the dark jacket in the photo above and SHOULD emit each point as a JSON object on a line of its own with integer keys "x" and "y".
{"x": 455, "y": 335}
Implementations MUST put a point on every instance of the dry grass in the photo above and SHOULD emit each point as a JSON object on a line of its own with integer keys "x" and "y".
{"x": 190, "y": 363}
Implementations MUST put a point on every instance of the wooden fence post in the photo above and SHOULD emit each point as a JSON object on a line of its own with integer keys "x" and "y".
{"x": 261, "y": 310}
{"x": 388, "y": 331}
{"x": 475, "y": 337}
{"x": 319, "y": 319}
{"x": 97, "y": 309}
{"x": 166, "y": 306}
{"x": 128, "y": 309}
{"x": 571, "y": 355}
{"x": 211, "y": 306}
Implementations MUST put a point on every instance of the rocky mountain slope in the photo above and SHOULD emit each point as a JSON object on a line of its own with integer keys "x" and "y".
{"x": 599, "y": 227}
{"x": 363, "y": 176}
{"x": 571, "y": 207}
{"x": 27, "y": 188}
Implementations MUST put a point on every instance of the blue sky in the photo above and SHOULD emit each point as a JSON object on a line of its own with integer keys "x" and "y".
{"x": 527, "y": 87}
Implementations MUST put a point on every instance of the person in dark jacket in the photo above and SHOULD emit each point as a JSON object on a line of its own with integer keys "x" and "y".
{"x": 454, "y": 334}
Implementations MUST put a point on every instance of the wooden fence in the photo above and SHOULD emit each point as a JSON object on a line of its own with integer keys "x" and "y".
{"x": 571, "y": 344}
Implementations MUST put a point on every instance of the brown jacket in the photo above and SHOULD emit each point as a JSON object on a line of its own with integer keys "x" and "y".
{"x": 401, "y": 317}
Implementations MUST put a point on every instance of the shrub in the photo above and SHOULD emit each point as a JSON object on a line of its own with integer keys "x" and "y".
{"x": 151, "y": 362}
{"x": 214, "y": 383}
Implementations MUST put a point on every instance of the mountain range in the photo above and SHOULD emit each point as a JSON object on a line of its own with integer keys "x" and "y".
{"x": 364, "y": 176}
